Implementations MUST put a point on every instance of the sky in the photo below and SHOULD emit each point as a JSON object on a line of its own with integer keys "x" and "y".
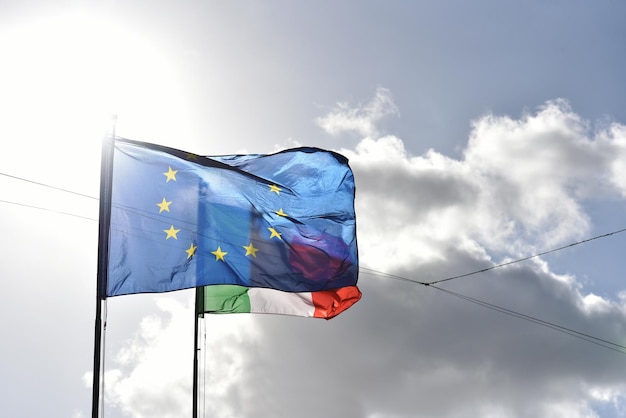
{"x": 478, "y": 132}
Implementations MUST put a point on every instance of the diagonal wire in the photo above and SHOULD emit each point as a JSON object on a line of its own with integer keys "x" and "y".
{"x": 47, "y": 210}
{"x": 586, "y": 337}
{"x": 577, "y": 334}
{"x": 527, "y": 258}
{"x": 49, "y": 186}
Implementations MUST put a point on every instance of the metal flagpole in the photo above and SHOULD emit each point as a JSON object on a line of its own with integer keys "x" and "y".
{"x": 106, "y": 179}
{"x": 196, "y": 312}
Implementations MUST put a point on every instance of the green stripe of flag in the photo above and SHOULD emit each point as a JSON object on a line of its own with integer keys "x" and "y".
{"x": 226, "y": 299}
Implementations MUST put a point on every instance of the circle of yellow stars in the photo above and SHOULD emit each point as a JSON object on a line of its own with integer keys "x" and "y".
{"x": 251, "y": 250}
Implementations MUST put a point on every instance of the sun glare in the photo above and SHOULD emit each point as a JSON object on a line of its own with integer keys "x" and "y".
{"x": 67, "y": 75}
{"x": 62, "y": 79}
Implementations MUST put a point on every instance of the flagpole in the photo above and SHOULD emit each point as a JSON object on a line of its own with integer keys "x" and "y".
{"x": 196, "y": 312}
{"x": 106, "y": 179}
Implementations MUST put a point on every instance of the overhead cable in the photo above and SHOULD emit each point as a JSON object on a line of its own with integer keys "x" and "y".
{"x": 585, "y": 337}
{"x": 49, "y": 186}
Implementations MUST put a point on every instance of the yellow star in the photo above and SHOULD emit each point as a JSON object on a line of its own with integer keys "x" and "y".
{"x": 274, "y": 188}
{"x": 191, "y": 251}
{"x": 170, "y": 174}
{"x": 250, "y": 250}
{"x": 219, "y": 254}
{"x": 171, "y": 233}
{"x": 274, "y": 233}
{"x": 164, "y": 206}
{"x": 191, "y": 156}
{"x": 281, "y": 213}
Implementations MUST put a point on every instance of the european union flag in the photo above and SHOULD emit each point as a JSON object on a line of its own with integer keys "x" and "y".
{"x": 284, "y": 221}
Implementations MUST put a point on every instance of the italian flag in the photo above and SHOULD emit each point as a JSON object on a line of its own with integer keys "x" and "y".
{"x": 240, "y": 299}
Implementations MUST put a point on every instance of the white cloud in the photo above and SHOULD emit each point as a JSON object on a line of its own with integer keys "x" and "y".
{"x": 520, "y": 185}
{"x": 361, "y": 119}
{"x": 152, "y": 375}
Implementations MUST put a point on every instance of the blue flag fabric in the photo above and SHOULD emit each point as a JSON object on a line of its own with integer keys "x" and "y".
{"x": 284, "y": 221}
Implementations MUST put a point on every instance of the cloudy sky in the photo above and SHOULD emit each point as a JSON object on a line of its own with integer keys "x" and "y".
{"x": 479, "y": 132}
